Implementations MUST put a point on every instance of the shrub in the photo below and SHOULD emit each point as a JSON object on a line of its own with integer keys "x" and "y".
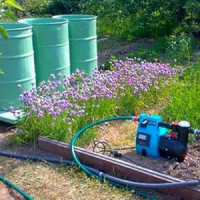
{"x": 137, "y": 19}
{"x": 128, "y": 19}
{"x": 63, "y": 7}
{"x": 50, "y": 7}
{"x": 112, "y": 17}
{"x": 36, "y": 7}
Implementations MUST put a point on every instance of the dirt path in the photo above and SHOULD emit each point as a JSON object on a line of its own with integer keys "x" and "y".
{"x": 120, "y": 49}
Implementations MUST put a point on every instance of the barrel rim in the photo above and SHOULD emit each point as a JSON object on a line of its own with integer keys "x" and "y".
{"x": 72, "y": 17}
{"x": 44, "y": 21}
{"x": 15, "y": 27}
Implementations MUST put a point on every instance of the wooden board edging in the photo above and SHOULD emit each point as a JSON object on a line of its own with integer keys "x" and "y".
{"x": 126, "y": 170}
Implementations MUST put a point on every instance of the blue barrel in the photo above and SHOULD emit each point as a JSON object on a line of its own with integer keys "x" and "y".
{"x": 51, "y": 46}
{"x": 17, "y": 63}
{"x": 83, "y": 42}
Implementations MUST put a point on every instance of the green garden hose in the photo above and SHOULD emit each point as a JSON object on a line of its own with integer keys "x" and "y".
{"x": 84, "y": 168}
{"x": 83, "y": 130}
{"x": 7, "y": 182}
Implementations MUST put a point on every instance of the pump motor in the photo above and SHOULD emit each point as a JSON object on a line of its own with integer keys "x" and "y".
{"x": 156, "y": 138}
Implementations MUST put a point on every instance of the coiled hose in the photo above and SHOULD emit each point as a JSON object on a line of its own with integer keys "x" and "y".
{"x": 118, "y": 181}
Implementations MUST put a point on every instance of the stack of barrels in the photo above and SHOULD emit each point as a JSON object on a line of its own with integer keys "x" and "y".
{"x": 39, "y": 47}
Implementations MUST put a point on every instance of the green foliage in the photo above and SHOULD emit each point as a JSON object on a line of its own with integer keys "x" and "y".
{"x": 59, "y": 129}
{"x": 108, "y": 65}
{"x": 63, "y": 7}
{"x": 6, "y": 9}
{"x": 184, "y": 101}
{"x": 191, "y": 22}
{"x": 180, "y": 48}
{"x": 144, "y": 18}
{"x": 3, "y": 32}
{"x": 128, "y": 19}
{"x": 112, "y": 18}
{"x": 12, "y": 4}
{"x": 36, "y": 7}
{"x": 50, "y": 7}
{"x": 7, "y": 14}
{"x": 173, "y": 49}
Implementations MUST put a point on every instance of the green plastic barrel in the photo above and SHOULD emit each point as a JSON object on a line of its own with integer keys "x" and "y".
{"x": 83, "y": 42}
{"x": 51, "y": 47}
{"x": 17, "y": 63}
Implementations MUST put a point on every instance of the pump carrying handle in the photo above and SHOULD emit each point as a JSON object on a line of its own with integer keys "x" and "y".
{"x": 171, "y": 126}
{"x": 165, "y": 125}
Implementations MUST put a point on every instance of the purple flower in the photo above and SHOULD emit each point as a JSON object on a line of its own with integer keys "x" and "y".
{"x": 59, "y": 75}
{"x": 40, "y": 114}
{"x": 77, "y": 95}
{"x": 52, "y": 76}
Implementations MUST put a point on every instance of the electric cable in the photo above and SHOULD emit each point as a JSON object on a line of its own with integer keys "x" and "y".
{"x": 114, "y": 151}
{"x": 103, "y": 146}
{"x": 97, "y": 144}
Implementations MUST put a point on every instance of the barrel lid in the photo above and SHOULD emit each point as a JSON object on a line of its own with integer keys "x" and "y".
{"x": 15, "y": 26}
{"x": 76, "y": 17}
{"x": 44, "y": 21}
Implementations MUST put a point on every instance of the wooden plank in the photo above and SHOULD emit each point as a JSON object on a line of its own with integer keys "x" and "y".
{"x": 123, "y": 169}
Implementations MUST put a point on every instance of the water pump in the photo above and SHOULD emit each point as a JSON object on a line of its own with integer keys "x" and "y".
{"x": 156, "y": 138}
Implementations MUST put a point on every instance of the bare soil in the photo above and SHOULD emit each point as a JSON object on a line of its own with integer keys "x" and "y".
{"x": 187, "y": 170}
{"x": 119, "y": 49}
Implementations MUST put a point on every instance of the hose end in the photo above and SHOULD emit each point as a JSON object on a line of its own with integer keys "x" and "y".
{"x": 135, "y": 119}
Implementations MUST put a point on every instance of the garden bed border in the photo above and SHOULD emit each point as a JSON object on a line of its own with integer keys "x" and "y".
{"x": 122, "y": 169}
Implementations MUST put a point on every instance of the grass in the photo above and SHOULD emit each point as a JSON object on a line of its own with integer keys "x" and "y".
{"x": 184, "y": 99}
{"x": 118, "y": 134}
{"x": 46, "y": 181}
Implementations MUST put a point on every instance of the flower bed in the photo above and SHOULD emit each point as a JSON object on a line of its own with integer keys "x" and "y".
{"x": 62, "y": 105}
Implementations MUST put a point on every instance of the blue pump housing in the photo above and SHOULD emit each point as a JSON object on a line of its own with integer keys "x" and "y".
{"x": 148, "y": 135}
